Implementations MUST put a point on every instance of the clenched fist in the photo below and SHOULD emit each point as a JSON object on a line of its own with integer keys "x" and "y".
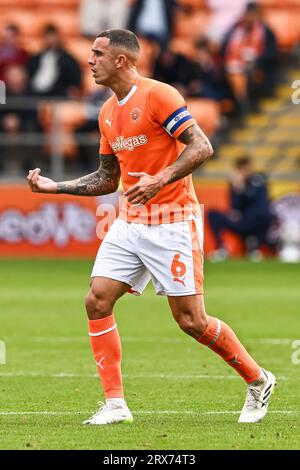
{"x": 40, "y": 184}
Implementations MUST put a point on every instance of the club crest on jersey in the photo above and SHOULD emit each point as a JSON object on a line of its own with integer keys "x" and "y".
{"x": 128, "y": 144}
{"x": 135, "y": 115}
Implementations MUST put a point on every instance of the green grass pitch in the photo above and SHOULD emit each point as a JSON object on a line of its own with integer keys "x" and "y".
{"x": 182, "y": 395}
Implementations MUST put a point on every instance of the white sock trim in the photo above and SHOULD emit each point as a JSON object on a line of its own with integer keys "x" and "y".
{"x": 100, "y": 333}
{"x": 116, "y": 401}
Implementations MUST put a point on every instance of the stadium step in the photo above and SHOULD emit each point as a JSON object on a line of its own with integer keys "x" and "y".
{"x": 286, "y": 165}
{"x": 258, "y": 120}
{"x": 231, "y": 151}
{"x": 284, "y": 91}
{"x": 265, "y": 152}
{"x": 289, "y": 120}
{"x": 294, "y": 74}
{"x": 282, "y": 136}
{"x": 244, "y": 135}
{"x": 270, "y": 105}
{"x": 269, "y": 137}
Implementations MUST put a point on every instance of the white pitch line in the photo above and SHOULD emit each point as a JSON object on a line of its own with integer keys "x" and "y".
{"x": 149, "y": 339}
{"x": 125, "y": 339}
{"x": 141, "y": 412}
{"x": 63, "y": 375}
{"x": 51, "y": 413}
{"x": 209, "y": 412}
{"x": 275, "y": 341}
{"x": 142, "y": 339}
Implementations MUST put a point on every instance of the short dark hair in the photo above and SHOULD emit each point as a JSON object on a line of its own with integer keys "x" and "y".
{"x": 50, "y": 29}
{"x": 121, "y": 37}
{"x": 13, "y": 27}
{"x": 242, "y": 162}
{"x": 252, "y": 6}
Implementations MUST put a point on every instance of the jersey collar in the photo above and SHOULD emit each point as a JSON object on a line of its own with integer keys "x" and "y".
{"x": 127, "y": 97}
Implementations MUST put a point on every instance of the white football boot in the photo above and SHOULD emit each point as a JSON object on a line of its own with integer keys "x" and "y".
{"x": 111, "y": 414}
{"x": 257, "y": 399}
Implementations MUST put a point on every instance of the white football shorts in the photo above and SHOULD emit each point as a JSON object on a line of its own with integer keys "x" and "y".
{"x": 169, "y": 254}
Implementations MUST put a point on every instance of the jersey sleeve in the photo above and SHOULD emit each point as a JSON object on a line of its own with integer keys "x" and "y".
{"x": 104, "y": 148}
{"x": 169, "y": 108}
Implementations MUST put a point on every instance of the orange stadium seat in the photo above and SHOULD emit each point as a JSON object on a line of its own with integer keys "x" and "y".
{"x": 195, "y": 4}
{"x": 57, "y": 3}
{"x": 89, "y": 85}
{"x": 32, "y": 45}
{"x": 32, "y": 4}
{"x": 191, "y": 26}
{"x": 71, "y": 114}
{"x": 17, "y": 3}
{"x": 32, "y": 23}
{"x": 273, "y": 3}
{"x": 279, "y": 3}
{"x": 27, "y": 22}
{"x": 66, "y": 21}
{"x": 206, "y": 112}
{"x": 80, "y": 48}
{"x": 285, "y": 24}
{"x": 149, "y": 51}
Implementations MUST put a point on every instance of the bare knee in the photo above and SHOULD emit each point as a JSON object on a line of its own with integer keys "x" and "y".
{"x": 98, "y": 305}
{"x": 193, "y": 325}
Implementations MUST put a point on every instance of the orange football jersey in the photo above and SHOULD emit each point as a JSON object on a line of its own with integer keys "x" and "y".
{"x": 141, "y": 130}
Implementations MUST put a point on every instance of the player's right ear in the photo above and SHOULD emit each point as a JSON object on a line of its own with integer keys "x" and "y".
{"x": 121, "y": 60}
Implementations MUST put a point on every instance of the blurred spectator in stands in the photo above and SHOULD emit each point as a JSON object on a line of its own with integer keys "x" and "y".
{"x": 287, "y": 230}
{"x": 224, "y": 14}
{"x": 99, "y": 15}
{"x": 88, "y": 154}
{"x": 202, "y": 77}
{"x": 54, "y": 72}
{"x": 10, "y": 50}
{"x": 152, "y": 18}
{"x": 17, "y": 117}
{"x": 175, "y": 69}
{"x": 150, "y": 51}
{"x": 250, "y": 57}
{"x": 210, "y": 81}
{"x": 16, "y": 81}
{"x": 250, "y": 215}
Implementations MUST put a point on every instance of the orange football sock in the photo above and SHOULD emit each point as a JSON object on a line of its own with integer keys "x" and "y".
{"x": 221, "y": 339}
{"x": 106, "y": 345}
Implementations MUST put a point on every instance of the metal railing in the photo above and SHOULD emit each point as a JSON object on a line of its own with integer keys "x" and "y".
{"x": 50, "y": 138}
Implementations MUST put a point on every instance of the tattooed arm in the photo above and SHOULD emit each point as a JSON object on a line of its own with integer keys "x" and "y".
{"x": 197, "y": 150}
{"x": 103, "y": 181}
